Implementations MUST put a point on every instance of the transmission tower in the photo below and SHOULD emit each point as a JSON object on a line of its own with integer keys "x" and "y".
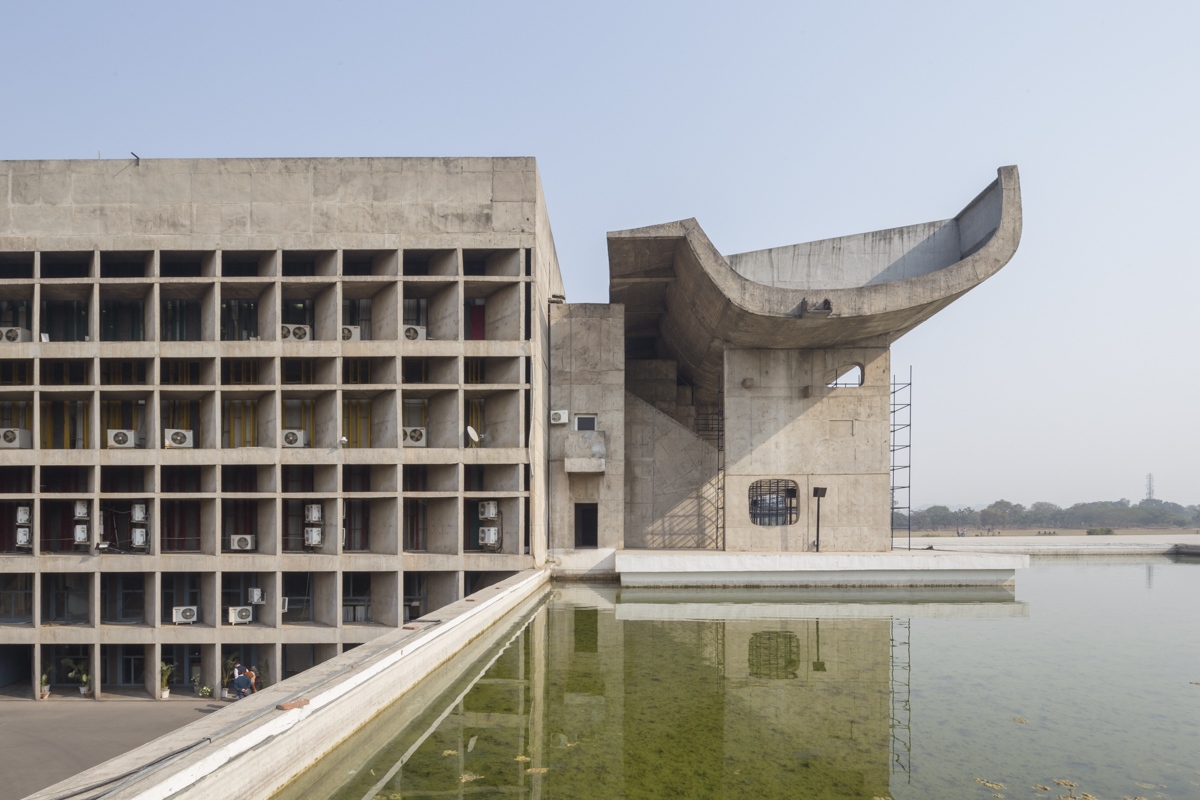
{"x": 1150, "y": 486}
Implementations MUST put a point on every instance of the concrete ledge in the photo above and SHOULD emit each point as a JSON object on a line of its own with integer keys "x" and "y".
{"x": 204, "y": 759}
{"x": 897, "y": 568}
{"x": 599, "y": 564}
{"x": 1129, "y": 545}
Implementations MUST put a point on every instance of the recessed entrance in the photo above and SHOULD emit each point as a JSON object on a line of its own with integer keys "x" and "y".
{"x": 587, "y": 525}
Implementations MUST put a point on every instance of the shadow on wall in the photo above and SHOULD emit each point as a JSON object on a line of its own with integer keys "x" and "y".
{"x": 672, "y": 488}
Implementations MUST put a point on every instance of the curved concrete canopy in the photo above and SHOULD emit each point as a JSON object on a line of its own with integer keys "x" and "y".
{"x": 687, "y": 302}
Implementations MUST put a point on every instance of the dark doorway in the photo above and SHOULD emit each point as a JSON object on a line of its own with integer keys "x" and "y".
{"x": 587, "y": 525}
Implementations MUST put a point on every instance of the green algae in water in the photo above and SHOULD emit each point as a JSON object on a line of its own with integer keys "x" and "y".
{"x": 1083, "y": 677}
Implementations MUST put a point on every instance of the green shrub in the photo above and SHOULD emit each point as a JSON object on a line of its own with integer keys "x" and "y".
{"x": 1099, "y": 531}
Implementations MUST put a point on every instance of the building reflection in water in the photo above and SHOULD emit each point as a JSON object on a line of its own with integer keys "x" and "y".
{"x": 654, "y": 696}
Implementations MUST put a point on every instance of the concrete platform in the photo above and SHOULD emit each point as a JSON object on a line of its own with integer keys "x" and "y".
{"x": 896, "y": 568}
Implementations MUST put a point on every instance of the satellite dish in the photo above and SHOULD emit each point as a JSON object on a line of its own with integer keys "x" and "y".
{"x": 472, "y": 434}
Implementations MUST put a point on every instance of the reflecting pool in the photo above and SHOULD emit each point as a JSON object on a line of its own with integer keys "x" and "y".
{"x": 1085, "y": 680}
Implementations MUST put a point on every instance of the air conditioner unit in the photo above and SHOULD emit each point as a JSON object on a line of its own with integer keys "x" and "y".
{"x": 414, "y": 333}
{"x": 298, "y": 333}
{"x": 122, "y": 439}
{"x": 313, "y": 512}
{"x": 414, "y": 437}
{"x": 255, "y": 596}
{"x": 24, "y": 515}
{"x": 283, "y": 604}
{"x": 14, "y": 335}
{"x": 313, "y": 537}
{"x": 489, "y": 536}
{"x": 351, "y": 333}
{"x": 81, "y": 509}
{"x": 137, "y": 537}
{"x": 295, "y": 437}
{"x": 172, "y": 437}
{"x": 137, "y": 512}
{"x": 241, "y": 615}
{"x": 241, "y": 542}
{"x": 24, "y": 537}
{"x": 16, "y": 438}
{"x": 184, "y": 615}
{"x": 489, "y": 509}
{"x": 560, "y": 417}
{"x": 81, "y": 534}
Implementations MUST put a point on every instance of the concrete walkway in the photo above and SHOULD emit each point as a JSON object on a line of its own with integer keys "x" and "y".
{"x": 42, "y": 743}
{"x": 1082, "y": 545}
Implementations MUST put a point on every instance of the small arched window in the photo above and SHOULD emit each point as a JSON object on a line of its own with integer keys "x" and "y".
{"x": 850, "y": 376}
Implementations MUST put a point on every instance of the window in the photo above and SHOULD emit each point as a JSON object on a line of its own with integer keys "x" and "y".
{"x": 850, "y": 376}
{"x": 585, "y": 422}
{"x": 774, "y": 502}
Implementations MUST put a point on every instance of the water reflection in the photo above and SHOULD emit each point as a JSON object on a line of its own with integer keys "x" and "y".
{"x": 681, "y": 694}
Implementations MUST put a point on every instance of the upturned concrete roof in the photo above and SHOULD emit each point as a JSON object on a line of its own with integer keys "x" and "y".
{"x": 686, "y": 301}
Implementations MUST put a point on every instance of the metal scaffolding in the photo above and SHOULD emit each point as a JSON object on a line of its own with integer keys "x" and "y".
{"x": 902, "y": 456}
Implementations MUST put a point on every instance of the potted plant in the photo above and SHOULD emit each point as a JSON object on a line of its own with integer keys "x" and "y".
{"x": 165, "y": 671}
{"x": 205, "y": 691}
{"x": 45, "y": 685}
{"x": 227, "y": 672}
{"x": 79, "y": 671}
{"x": 196, "y": 683}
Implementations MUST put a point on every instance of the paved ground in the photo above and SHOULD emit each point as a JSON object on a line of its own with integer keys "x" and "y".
{"x": 44, "y": 743}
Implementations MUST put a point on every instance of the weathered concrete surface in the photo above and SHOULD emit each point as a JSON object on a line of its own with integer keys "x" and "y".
{"x": 679, "y": 289}
{"x": 343, "y": 694}
{"x": 587, "y": 376}
{"x": 755, "y": 350}
{"x": 898, "y": 568}
{"x": 671, "y": 482}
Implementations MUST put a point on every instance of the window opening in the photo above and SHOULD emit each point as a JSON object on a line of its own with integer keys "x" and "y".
{"x": 774, "y": 502}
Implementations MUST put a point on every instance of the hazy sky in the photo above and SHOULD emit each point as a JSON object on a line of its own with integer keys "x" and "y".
{"x": 1067, "y": 377}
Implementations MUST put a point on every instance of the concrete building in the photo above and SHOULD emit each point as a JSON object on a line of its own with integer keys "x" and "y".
{"x": 273, "y": 408}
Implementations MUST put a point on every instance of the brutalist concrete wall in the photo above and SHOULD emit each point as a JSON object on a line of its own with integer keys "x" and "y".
{"x": 784, "y": 422}
{"x": 587, "y": 362}
{"x": 672, "y": 487}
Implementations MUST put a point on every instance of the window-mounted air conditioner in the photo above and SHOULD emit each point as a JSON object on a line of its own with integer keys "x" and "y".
{"x": 414, "y": 437}
{"x": 24, "y": 515}
{"x": 560, "y": 417}
{"x": 24, "y": 536}
{"x": 122, "y": 439}
{"x": 241, "y": 615}
{"x": 137, "y": 537}
{"x": 255, "y": 596}
{"x": 414, "y": 333}
{"x": 241, "y": 541}
{"x": 81, "y": 509}
{"x": 81, "y": 534}
{"x": 351, "y": 333}
{"x": 489, "y": 509}
{"x": 184, "y": 615}
{"x": 173, "y": 437}
{"x": 137, "y": 512}
{"x": 296, "y": 333}
{"x": 313, "y": 537}
{"x": 295, "y": 437}
{"x": 16, "y": 438}
{"x": 15, "y": 335}
{"x": 489, "y": 536}
{"x": 314, "y": 512}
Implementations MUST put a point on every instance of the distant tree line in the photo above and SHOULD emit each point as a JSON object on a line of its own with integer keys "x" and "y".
{"x": 1047, "y": 516}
